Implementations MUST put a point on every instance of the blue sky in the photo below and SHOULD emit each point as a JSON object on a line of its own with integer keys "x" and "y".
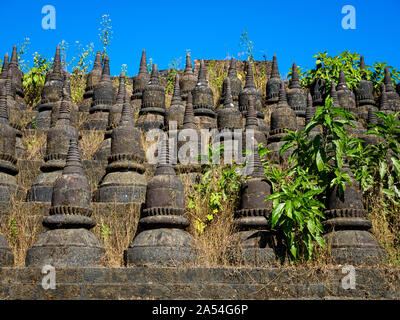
{"x": 293, "y": 30}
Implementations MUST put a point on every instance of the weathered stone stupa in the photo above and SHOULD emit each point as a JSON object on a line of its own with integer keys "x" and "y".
{"x": 177, "y": 109}
{"x": 51, "y": 95}
{"x": 384, "y": 104}
{"x": 188, "y": 140}
{"x": 252, "y": 130}
{"x": 235, "y": 84}
{"x": 248, "y": 91}
{"x": 230, "y": 128}
{"x": 152, "y": 111}
{"x": 347, "y": 99}
{"x": 203, "y": 101}
{"x": 4, "y": 68}
{"x": 74, "y": 110}
{"x": 124, "y": 180}
{"x": 393, "y": 98}
{"x": 347, "y": 227}
{"x": 229, "y": 116}
{"x": 140, "y": 82}
{"x": 92, "y": 79}
{"x": 317, "y": 90}
{"x": 103, "y": 100}
{"x": 297, "y": 97}
{"x": 188, "y": 80}
{"x": 255, "y": 239}
{"x": 282, "y": 119}
{"x": 6, "y": 255}
{"x": 364, "y": 94}
{"x": 160, "y": 238}
{"x": 68, "y": 242}
{"x": 114, "y": 116}
{"x": 58, "y": 142}
{"x": 16, "y": 76}
{"x": 9, "y": 188}
{"x": 273, "y": 84}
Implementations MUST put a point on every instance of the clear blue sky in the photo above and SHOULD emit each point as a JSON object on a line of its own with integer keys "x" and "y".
{"x": 293, "y": 30}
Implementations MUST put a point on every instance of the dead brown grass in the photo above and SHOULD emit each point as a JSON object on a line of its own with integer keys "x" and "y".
{"x": 35, "y": 144}
{"x": 90, "y": 142}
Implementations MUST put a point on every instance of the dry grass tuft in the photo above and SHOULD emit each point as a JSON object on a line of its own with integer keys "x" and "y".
{"x": 21, "y": 229}
{"x": 35, "y": 144}
{"x": 116, "y": 229}
{"x": 90, "y": 142}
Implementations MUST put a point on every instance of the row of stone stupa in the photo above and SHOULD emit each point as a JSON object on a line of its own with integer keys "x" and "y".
{"x": 161, "y": 238}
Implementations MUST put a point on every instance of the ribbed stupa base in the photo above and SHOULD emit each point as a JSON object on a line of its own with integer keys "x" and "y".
{"x": 123, "y": 187}
{"x": 354, "y": 247}
{"x": 6, "y": 256}
{"x": 255, "y": 248}
{"x": 66, "y": 248}
{"x": 42, "y": 189}
{"x": 103, "y": 151}
{"x": 160, "y": 247}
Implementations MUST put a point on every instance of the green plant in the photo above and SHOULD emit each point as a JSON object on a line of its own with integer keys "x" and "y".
{"x": 174, "y": 66}
{"x": 246, "y": 45}
{"x": 105, "y": 34}
{"x": 105, "y": 231}
{"x": 328, "y": 68}
{"x": 377, "y": 167}
{"x": 316, "y": 164}
{"x": 219, "y": 184}
{"x": 33, "y": 80}
{"x": 23, "y": 48}
{"x": 13, "y": 229}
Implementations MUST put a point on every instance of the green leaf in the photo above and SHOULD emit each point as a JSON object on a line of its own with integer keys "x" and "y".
{"x": 320, "y": 162}
{"x": 276, "y": 214}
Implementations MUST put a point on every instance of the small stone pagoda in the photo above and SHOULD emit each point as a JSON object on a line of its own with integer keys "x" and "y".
{"x": 152, "y": 111}
{"x": 74, "y": 110}
{"x": 282, "y": 119}
{"x": 6, "y": 255}
{"x": 254, "y": 237}
{"x": 140, "y": 82}
{"x": 364, "y": 94}
{"x": 68, "y": 241}
{"x": 230, "y": 127}
{"x": 229, "y": 116}
{"x": 297, "y": 97}
{"x": 114, "y": 116}
{"x": 92, "y": 79}
{"x": 103, "y": 100}
{"x": 188, "y": 140}
{"x": 393, "y": 98}
{"x": 16, "y": 77}
{"x": 124, "y": 180}
{"x": 177, "y": 109}
{"x": 273, "y": 84}
{"x": 248, "y": 91}
{"x": 9, "y": 188}
{"x": 347, "y": 99}
{"x": 252, "y": 130}
{"x": 317, "y": 90}
{"x": 235, "y": 84}
{"x": 384, "y": 104}
{"x": 347, "y": 227}
{"x": 203, "y": 101}
{"x": 58, "y": 142}
{"x": 188, "y": 80}
{"x": 4, "y": 68}
{"x": 52, "y": 94}
{"x": 160, "y": 238}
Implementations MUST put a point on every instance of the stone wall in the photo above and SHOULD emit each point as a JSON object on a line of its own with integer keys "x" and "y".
{"x": 200, "y": 283}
